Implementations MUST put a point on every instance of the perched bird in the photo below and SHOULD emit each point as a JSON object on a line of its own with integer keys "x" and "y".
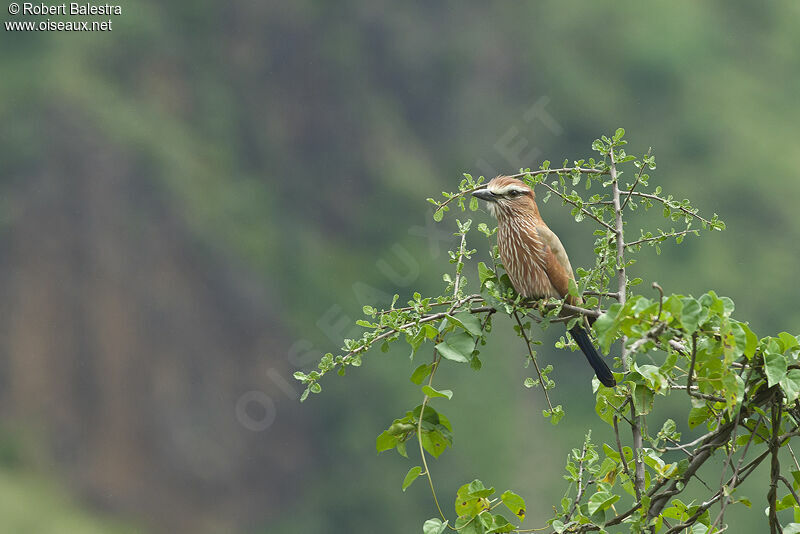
{"x": 534, "y": 257}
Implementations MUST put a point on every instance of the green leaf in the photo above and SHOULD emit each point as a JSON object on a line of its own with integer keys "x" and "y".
{"x": 477, "y": 489}
{"x": 652, "y": 375}
{"x": 430, "y": 392}
{"x": 457, "y": 347}
{"x": 401, "y": 449}
{"x": 790, "y": 384}
{"x": 484, "y": 272}
{"x": 434, "y": 442}
{"x": 466, "y": 525}
{"x": 692, "y": 314}
{"x": 499, "y": 524}
{"x": 607, "y": 401}
{"x": 468, "y": 321}
{"x": 386, "y": 441}
{"x": 438, "y": 215}
{"x": 555, "y": 415}
{"x": 434, "y": 526}
{"x": 775, "y": 367}
{"x": 471, "y": 499}
{"x": 607, "y": 325}
{"x": 602, "y": 500}
{"x": 420, "y": 373}
{"x": 430, "y": 331}
{"x": 698, "y": 415}
{"x": 746, "y": 340}
{"x": 411, "y": 476}
{"x": 642, "y": 399}
{"x": 475, "y": 363}
{"x": 573, "y": 288}
{"x": 788, "y": 340}
{"x": 515, "y": 503}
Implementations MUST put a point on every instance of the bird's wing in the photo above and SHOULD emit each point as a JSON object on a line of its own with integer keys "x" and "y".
{"x": 557, "y": 265}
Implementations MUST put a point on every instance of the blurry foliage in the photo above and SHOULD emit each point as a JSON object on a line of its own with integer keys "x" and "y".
{"x": 32, "y": 503}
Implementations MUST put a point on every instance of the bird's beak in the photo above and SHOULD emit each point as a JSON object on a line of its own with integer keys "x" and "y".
{"x": 483, "y": 194}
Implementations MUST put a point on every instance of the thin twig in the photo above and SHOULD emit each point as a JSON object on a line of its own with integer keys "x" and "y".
{"x": 702, "y": 454}
{"x": 660, "y": 299}
{"x": 613, "y": 295}
{"x": 443, "y": 303}
{"x": 582, "y": 170}
{"x": 672, "y": 204}
{"x": 581, "y": 487}
{"x": 791, "y": 489}
{"x": 693, "y": 443}
{"x": 708, "y": 504}
{"x": 638, "y": 177}
{"x": 662, "y": 237}
{"x": 533, "y": 359}
{"x": 564, "y": 170}
{"x": 690, "y": 376}
{"x": 622, "y": 455}
{"x": 391, "y": 331}
{"x": 731, "y": 448}
{"x": 695, "y": 393}
{"x": 435, "y": 366}
{"x": 583, "y": 210}
{"x": 791, "y": 452}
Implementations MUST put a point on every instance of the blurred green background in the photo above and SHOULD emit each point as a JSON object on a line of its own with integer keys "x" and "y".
{"x": 198, "y": 203}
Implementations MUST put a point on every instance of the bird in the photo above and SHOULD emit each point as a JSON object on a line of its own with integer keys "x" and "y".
{"x": 534, "y": 258}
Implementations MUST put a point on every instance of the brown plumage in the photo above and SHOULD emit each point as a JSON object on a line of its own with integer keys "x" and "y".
{"x": 534, "y": 257}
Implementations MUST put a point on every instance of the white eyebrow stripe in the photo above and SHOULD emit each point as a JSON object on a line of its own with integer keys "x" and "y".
{"x": 508, "y": 189}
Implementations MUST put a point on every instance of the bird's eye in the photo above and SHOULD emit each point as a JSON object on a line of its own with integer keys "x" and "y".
{"x": 514, "y": 193}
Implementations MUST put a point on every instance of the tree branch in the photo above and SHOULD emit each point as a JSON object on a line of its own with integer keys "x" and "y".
{"x": 662, "y": 237}
{"x": 672, "y": 204}
{"x": 533, "y": 359}
{"x": 775, "y": 467}
{"x": 622, "y": 288}
{"x": 638, "y": 177}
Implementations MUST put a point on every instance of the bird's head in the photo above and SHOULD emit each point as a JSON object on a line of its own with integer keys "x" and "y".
{"x": 506, "y": 196}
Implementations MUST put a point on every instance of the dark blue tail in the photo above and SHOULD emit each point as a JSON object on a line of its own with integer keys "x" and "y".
{"x": 581, "y": 337}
